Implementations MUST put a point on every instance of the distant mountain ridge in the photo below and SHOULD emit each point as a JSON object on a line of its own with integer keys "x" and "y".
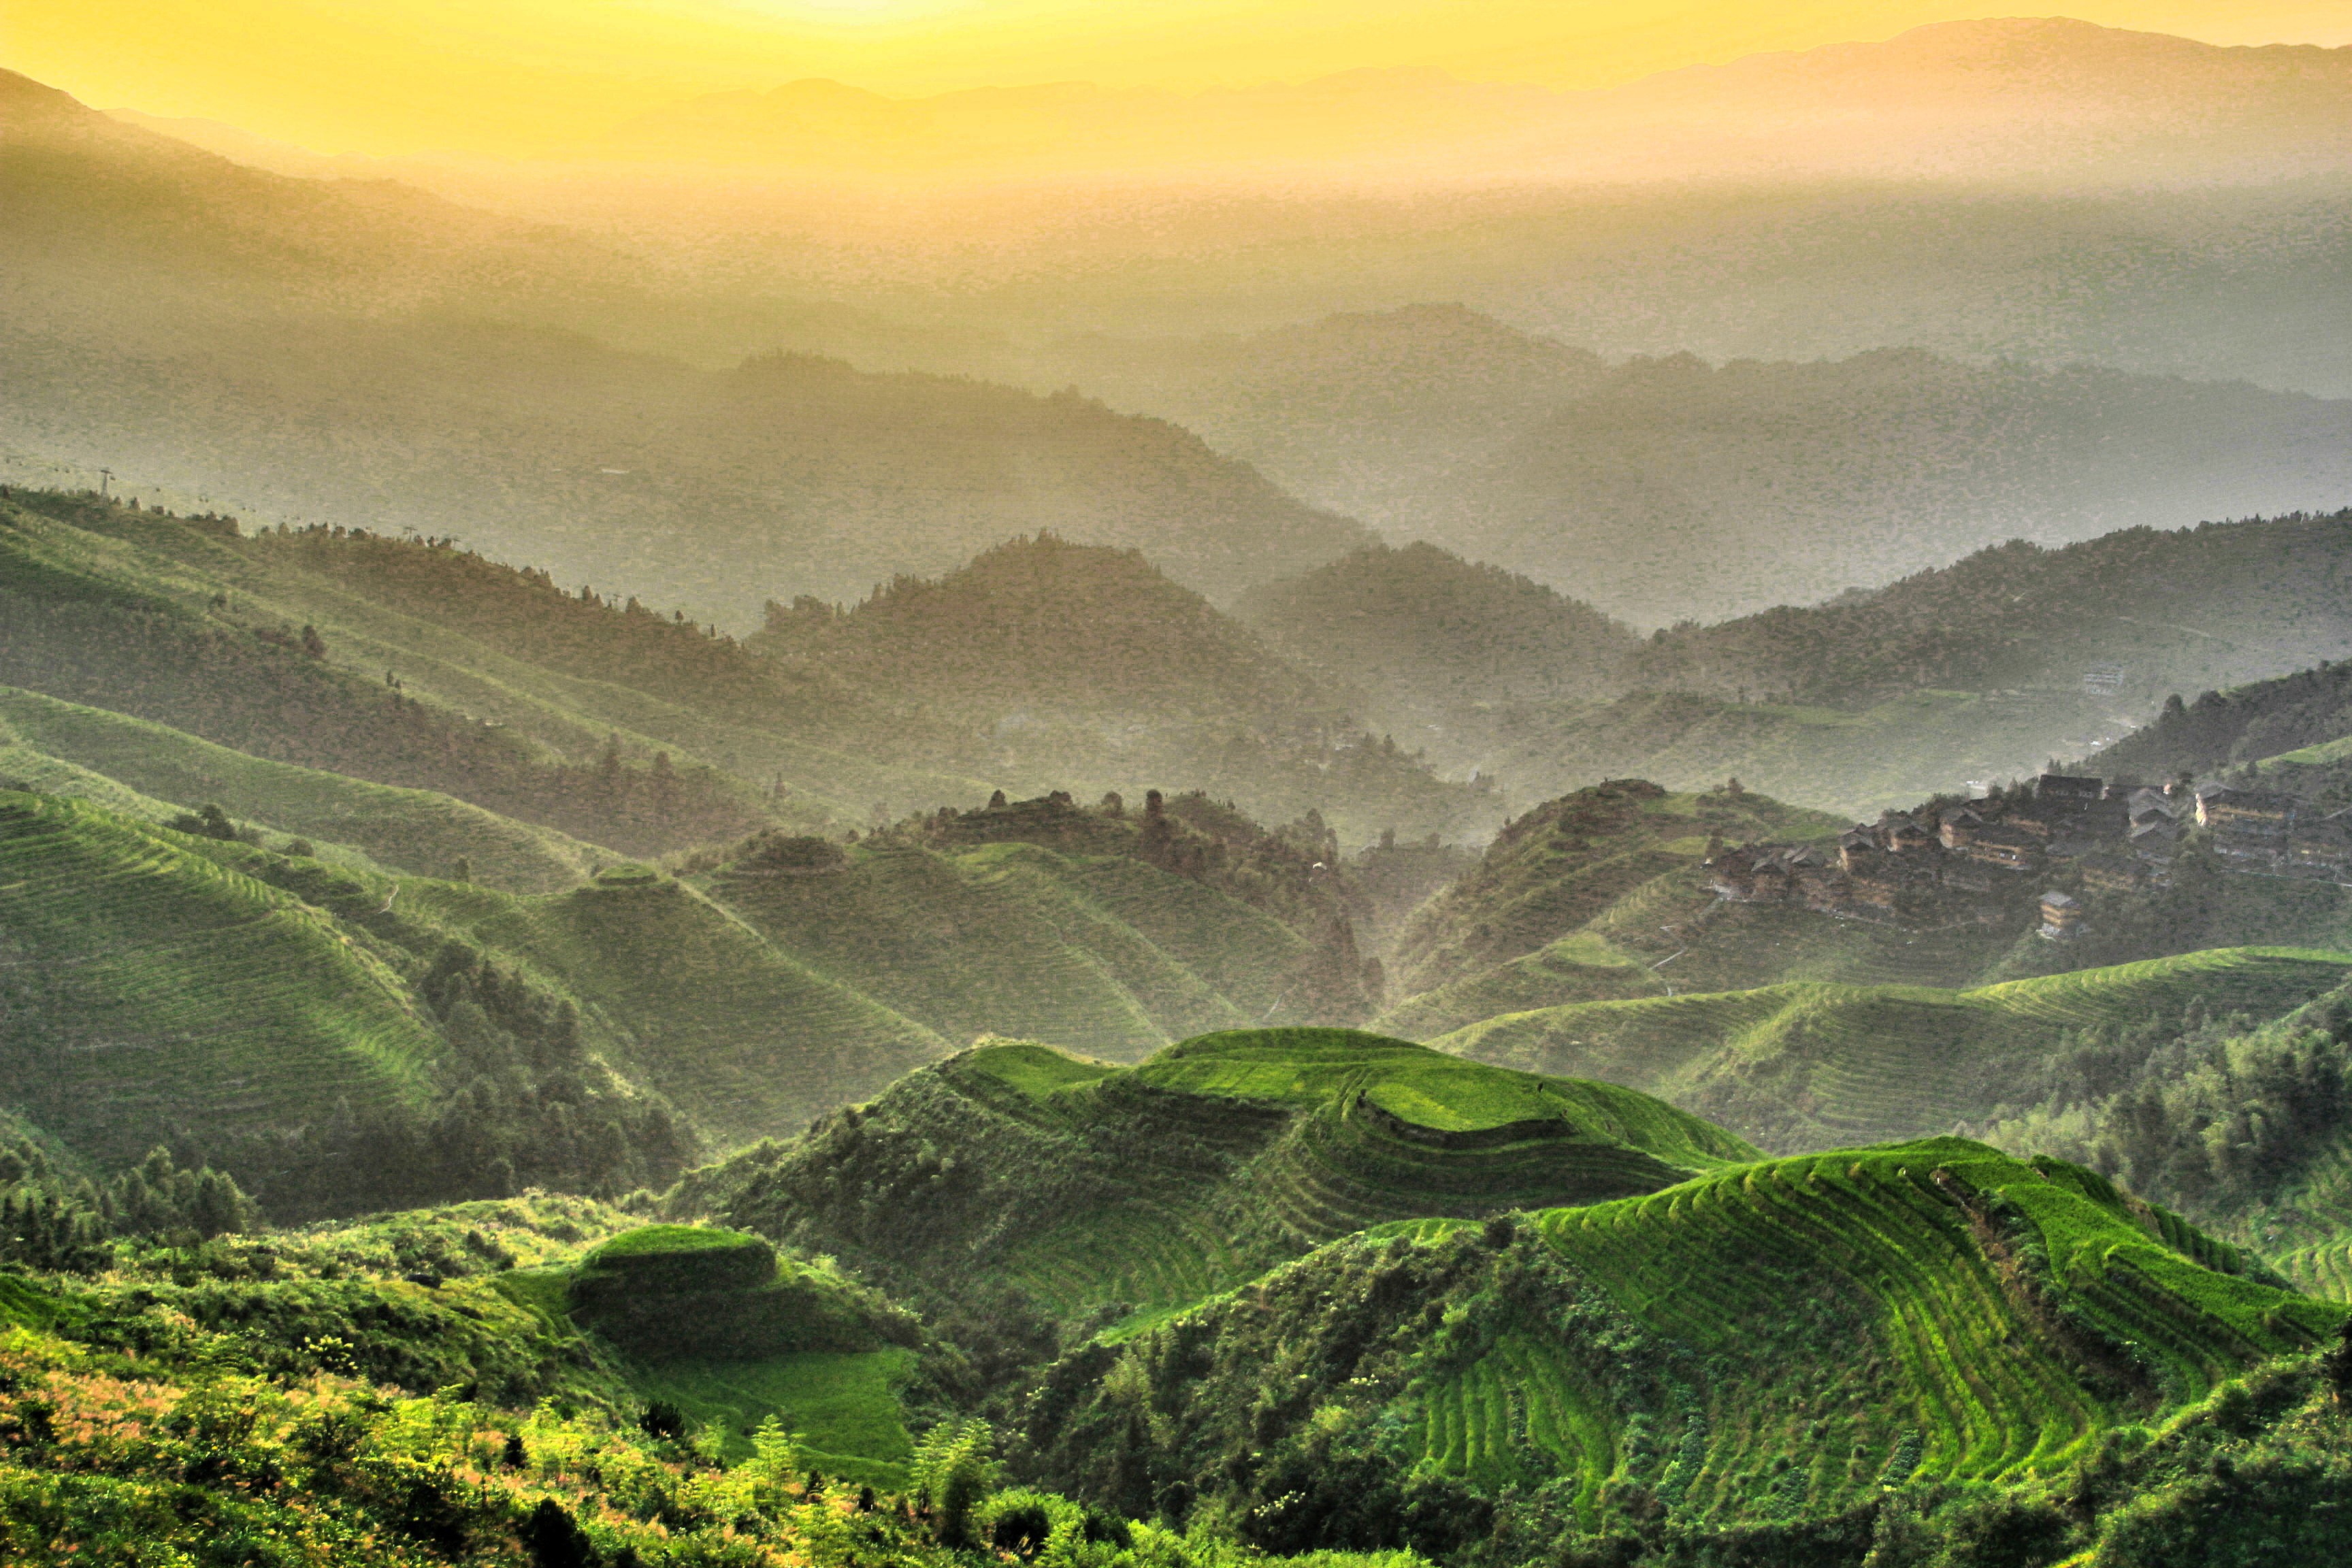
{"x": 1974, "y": 97}
{"x": 1668, "y": 488}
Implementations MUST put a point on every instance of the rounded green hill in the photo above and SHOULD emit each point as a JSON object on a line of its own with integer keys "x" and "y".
{"x": 1084, "y": 1185}
{"x": 668, "y": 1259}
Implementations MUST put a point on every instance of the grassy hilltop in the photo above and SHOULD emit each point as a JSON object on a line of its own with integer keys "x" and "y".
{"x": 65, "y": 748}
{"x": 1084, "y": 1186}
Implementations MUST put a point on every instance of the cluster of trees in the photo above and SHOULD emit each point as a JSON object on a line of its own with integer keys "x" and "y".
{"x": 523, "y": 1102}
{"x": 2246, "y": 724}
{"x": 50, "y": 1219}
{"x": 2213, "y": 1117}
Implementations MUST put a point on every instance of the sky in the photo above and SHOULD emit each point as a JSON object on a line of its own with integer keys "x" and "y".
{"x": 513, "y": 77}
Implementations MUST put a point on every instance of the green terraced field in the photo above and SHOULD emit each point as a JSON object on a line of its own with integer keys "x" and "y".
{"x": 1672, "y": 936}
{"x": 1768, "y": 1344}
{"x": 740, "y": 1036}
{"x": 842, "y": 1404}
{"x": 146, "y": 988}
{"x": 1087, "y": 1185}
{"x": 416, "y": 831}
{"x": 1102, "y": 954}
{"x": 2322, "y": 1270}
{"x": 1796, "y": 1065}
{"x": 1852, "y": 1286}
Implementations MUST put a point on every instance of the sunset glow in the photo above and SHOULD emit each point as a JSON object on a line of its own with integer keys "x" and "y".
{"x": 524, "y": 76}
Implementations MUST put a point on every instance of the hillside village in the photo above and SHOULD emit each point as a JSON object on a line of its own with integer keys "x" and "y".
{"x": 1987, "y": 860}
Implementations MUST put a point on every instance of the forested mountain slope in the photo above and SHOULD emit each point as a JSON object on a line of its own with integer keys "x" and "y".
{"x": 434, "y": 667}
{"x": 1086, "y": 669}
{"x": 1975, "y": 672}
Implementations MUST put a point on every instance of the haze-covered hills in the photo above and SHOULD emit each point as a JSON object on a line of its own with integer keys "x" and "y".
{"x": 1668, "y": 488}
{"x": 2285, "y": 732}
{"x": 1085, "y": 669}
{"x": 384, "y": 359}
{"x": 1971, "y": 673}
{"x": 1975, "y": 98}
{"x": 441, "y": 669}
{"x": 1425, "y": 635}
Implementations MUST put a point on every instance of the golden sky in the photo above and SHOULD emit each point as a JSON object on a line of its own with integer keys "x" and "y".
{"x": 512, "y": 76}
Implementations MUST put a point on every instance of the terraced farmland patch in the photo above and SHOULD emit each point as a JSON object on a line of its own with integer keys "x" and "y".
{"x": 1800, "y": 1066}
{"x": 740, "y": 1035}
{"x": 1773, "y": 1342}
{"x": 149, "y": 989}
{"x": 1942, "y": 1344}
{"x": 1086, "y": 1186}
{"x": 1106, "y": 956}
{"x": 417, "y": 831}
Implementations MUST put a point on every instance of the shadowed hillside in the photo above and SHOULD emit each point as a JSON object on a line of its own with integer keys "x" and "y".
{"x": 1562, "y": 864}
{"x": 1425, "y": 635}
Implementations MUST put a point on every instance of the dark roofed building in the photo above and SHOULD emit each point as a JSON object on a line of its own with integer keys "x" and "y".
{"x": 2108, "y": 872}
{"x": 2070, "y": 788}
{"x": 2003, "y": 845}
{"x": 2061, "y": 916}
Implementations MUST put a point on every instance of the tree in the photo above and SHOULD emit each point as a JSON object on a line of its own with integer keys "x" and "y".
{"x": 953, "y": 1469}
{"x": 209, "y": 821}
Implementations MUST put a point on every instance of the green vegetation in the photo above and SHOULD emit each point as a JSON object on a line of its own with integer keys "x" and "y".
{"x": 1772, "y": 1348}
{"x": 1807, "y": 1065}
{"x": 739, "y": 1037}
{"x": 158, "y": 994}
{"x": 337, "y": 1039}
{"x": 1087, "y": 1188}
{"x": 2241, "y": 1124}
{"x": 419, "y": 832}
{"x": 1425, "y": 634}
{"x": 2290, "y": 724}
